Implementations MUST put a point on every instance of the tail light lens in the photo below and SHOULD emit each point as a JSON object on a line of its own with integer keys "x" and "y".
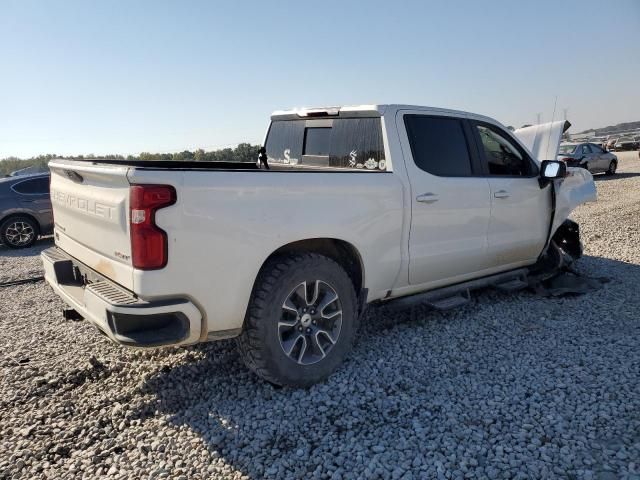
{"x": 566, "y": 159}
{"x": 148, "y": 241}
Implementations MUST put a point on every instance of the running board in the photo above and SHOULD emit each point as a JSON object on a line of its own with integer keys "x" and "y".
{"x": 447, "y": 303}
{"x": 513, "y": 284}
{"x": 460, "y": 294}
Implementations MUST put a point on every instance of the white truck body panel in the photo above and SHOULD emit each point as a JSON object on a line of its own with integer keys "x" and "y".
{"x": 276, "y": 208}
{"x": 225, "y": 224}
{"x": 92, "y": 217}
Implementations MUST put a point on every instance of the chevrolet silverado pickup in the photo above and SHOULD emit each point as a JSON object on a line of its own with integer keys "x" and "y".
{"x": 345, "y": 207}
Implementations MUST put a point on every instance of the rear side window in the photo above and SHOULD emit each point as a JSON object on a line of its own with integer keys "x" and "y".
{"x": 595, "y": 148}
{"x": 439, "y": 145}
{"x": 37, "y": 186}
{"x": 586, "y": 150}
{"x": 567, "y": 149}
{"x": 339, "y": 143}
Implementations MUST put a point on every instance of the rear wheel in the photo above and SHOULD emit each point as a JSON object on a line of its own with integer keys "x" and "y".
{"x": 19, "y": 232}
{"x": 301, "y": 320}
{"x": 612, "y": 168}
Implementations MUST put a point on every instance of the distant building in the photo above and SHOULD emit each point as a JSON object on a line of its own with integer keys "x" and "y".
{"x": 582, "y": 136}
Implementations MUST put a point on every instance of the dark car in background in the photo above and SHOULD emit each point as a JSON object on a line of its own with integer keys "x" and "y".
{"x": 589, "y": 156}
{"x": 25, "y": 209}
{"x": 626, "y": 144}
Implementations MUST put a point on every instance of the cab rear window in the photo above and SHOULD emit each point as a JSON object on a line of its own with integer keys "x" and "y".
{"x": 339, "y": 143}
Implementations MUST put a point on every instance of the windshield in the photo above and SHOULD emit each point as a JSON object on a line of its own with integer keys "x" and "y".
{"x": 566, "y": 149}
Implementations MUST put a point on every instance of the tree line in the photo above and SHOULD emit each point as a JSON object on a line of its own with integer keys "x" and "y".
{"x": 244, "y": 152}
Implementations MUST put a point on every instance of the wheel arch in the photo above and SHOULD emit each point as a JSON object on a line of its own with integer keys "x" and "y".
{"x": 342, "y": 252}
{"x": 21, "y": 214}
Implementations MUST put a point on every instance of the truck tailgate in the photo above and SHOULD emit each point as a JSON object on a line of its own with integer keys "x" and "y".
{"x": 91, "y": 214}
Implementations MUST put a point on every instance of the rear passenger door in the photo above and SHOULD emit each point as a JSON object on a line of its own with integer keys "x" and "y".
{"x": 599, "y": 157}
{"x": 33, "y": 196}
{"x": 520, "y": 209}
{"x": 589, "y": 157}
{"x": 450, "y": 205}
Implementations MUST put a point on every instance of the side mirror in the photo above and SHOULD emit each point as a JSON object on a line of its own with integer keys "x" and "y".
{"x": 551, "y": 169}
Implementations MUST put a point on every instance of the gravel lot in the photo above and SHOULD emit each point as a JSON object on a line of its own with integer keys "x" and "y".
{"x": 511, "y": 386}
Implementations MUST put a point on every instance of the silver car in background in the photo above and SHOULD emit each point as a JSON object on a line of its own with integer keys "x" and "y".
{"x": 25, "y": 209}
{"x": 589, "y": 156}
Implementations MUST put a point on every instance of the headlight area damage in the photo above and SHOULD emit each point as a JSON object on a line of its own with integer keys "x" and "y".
{"x": 553, "y": 274}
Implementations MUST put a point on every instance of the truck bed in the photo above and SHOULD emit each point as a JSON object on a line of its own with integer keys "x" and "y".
{"x": 171, "y": 164}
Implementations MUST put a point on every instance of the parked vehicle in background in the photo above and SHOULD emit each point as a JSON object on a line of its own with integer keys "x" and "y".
{"x": 358, "y": 204}
{"x": 610, "y": 143}
{"x": 25, "y": 209}
{"x": 626, "y": 144}
{"x": 32, "y": 170}
{"x": 588, "y": 156}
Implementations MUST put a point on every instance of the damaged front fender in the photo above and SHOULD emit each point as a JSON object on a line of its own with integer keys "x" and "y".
{"x": 573, "y": 190}
{"x": 578, "y": 187}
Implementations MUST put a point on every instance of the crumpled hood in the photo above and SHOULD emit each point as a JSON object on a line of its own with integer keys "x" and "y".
{"x": 578, "y": 187}
{"x": 543, "y": 140}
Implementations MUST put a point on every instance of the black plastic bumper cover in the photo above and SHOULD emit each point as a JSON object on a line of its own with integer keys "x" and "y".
{"x": 152, "y": 330}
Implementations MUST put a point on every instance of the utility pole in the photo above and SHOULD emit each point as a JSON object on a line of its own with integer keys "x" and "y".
{"x": 538, "y": 118}
{"x": 564, "y": 111}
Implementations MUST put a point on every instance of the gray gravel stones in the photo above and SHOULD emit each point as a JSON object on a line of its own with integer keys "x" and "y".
{"x": 511, "y": 386}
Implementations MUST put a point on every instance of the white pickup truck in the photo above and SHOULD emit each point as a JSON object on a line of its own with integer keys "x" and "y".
{"x": 347, "y": 206}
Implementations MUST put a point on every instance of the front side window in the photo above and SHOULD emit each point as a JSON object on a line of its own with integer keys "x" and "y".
{"x": 438, "y": 145}
{"x": 502, "y": 155}
{"x": 37, "y": 186}
{"x": 339, "y": 143}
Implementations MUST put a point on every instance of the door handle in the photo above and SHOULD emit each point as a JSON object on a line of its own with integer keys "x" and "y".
{"x": 427, "y": 198}
{"x": 501, "y": 194}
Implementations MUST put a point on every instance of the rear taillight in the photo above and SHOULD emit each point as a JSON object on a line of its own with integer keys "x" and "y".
{"x": 148, "y": 241}
{"x": 566, "y": 159}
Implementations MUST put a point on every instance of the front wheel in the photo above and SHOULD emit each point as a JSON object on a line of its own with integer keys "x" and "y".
{"x": 612, "y": 168}
{"x": 301, "y": 320}
{"x": 19, "y": 232}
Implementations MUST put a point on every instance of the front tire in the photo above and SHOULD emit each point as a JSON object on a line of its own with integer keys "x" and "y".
{"x": 613, "y": 165}
{"x": 301, "y": 320}
{"x": 19, "y": 232}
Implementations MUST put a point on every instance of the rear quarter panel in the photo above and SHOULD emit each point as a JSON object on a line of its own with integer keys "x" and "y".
{"x": 224, "y": 226}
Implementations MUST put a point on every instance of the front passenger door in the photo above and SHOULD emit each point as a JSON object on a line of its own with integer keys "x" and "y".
{"x": 520, "y": 209}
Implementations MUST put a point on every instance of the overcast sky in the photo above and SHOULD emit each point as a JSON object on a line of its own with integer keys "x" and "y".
{"x": 80, "y": 77}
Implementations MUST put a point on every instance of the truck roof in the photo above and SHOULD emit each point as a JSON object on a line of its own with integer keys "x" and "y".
{"x": 376, "y": 110}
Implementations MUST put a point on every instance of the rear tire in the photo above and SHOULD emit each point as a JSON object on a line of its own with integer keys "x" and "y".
{"x": 19, "y": 232}
{"x": 612, "y": 168}
{"x": 301, "y": 320}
